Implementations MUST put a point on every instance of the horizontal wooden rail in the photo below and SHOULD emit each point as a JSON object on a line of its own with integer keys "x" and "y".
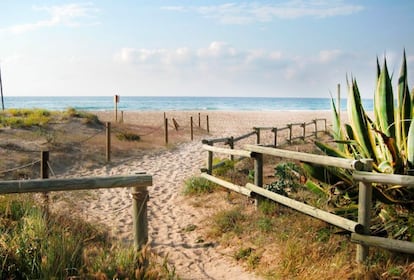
{"x": 385, "y": 243}
{"x": 138, "y": 183}
{"x": 244, "y": 136}
{"x": 369, "y": 177}
{"x": 213, "y": 141}
{"x": 281, "y": 128}
{"x": 70, "y": 184}
{"x": 296, "y": 124}
{"x": 309, "y": 210}
{"x": 317, "y": 159}
{"x": 263, "y": 127}
{"x": 232, "y": 152}
{"x": 226, "y": 184}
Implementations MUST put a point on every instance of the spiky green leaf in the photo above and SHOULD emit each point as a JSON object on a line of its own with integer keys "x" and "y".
{"x": 403, "y": 112}
{"x": 330, "y": 151}
{"x": 315, "y": 188}
{"x": 362, "y": 131}
{"x": 384, "y": 103}
{"x": 410, "y": 145}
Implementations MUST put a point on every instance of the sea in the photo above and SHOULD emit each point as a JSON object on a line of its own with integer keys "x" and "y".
{"x": 176, "y": 103}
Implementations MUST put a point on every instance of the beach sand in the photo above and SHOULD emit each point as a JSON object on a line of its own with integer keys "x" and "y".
{"x": 169, "y": 212}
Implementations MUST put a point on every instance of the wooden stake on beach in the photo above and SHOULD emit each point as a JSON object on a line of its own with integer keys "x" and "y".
{"x": 364, "y": 211}
{"x": 116, "y": 101}
{"x": 208, "y": 125}
{"x": 166, "y": 130}
{"x": 199, "y": 120}
{"x": 108, "y": 141}
{"x": 44, "y": 174}
{"x": 258, "y": 175}
{"x": 140, "y": 218}
{"x": 191, "y": 128}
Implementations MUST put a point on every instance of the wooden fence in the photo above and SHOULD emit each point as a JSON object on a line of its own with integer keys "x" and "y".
{"x": 138, "y": 183}
{"x": 290, "y": 137}
{"x": 362, "y": 173}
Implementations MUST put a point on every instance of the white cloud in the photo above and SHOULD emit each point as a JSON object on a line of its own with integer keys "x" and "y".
{"x": 221, "y": 62}
{"x": 71, "y": 15}
{"x": 329, "y": 55}
{"x": 244, "y": 13}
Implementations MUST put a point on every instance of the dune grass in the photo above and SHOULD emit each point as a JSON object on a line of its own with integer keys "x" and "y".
{"x": 59, "y": 247}
{"x": 279, "y": 243}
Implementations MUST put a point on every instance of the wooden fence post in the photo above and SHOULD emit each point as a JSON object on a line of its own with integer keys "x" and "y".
{"x": 210, "y": 160}
{"x": 258, "y": 175}
{"x": 208, "y": 124}
{"x": 275, "y": 132}
{"x": 108, "y": 141}
{"x": 315, "y": 121}
{"x": 364, "y": 211}
{"x": 140, "y": 221}
{"x": 231, "y": 144}
{"x": 122, "y": 117}
{"x": 166, "y": 130}
{"x": 191, "y": 128}
{"x": 44, "y": 174}
{"x": 304, "y": 131}
{"x": 325, "y": 125}
{"x": 290, "y": 133}
{"x": 257, "y": 135}
{"x": 199, "y": 120}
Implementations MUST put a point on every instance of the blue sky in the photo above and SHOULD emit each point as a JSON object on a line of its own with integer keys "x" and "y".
{"x": 286, "y": 48}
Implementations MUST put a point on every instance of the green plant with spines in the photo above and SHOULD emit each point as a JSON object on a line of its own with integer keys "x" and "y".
{"x": 388, "y": 139}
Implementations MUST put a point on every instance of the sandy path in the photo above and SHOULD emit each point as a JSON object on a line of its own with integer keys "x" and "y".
{"x": 169, "y": 212}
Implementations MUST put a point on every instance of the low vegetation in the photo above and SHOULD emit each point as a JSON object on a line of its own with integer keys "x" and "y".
{"x": 279, "y": 243}
{"x": 38, "y": 246}
{"x": 198, "y": 185}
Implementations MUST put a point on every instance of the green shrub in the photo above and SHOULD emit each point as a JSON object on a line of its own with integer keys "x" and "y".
{"x": 243, "y": 253}
{"x": 128, "y": 136}
{"x": 32, "y": 247}
{"x": 198, "y": 185}
{"x": 24, "y": 118}
{"x": 267, "y": 206}
{"x": 265, "y": 224}
{"x": 224, "y": 167}
{"x": 228, "y": 220}
{"x": 87, "y": 118}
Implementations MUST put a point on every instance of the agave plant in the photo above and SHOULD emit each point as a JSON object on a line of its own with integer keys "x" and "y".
{"x": 388, "y": 139}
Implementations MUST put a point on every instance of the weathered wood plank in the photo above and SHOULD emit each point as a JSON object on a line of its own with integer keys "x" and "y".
{"x": 368, "y": 177}
{"x": 219, "y": 150}
{"x": 317, "y": 159}
{"x": 226, "y": 184}
{"x": 70, "y": 184}
{"x": 385, "y": 243}
{"x": 307, "y": 209}
{"x": 244, "y": 136}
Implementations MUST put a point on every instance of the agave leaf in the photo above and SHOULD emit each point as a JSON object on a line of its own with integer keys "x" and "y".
{"x": 337, "y": 128}
{"x": 410, "y": 145}
{"x": 330, "y": 151}
{"x": 386, "y": 167}
{"x": 384, "y": 103}
{"x": 315, "y": 188}
{"x": 360, "y": 125}
{"x": 323, "y": 174}
{"x": 403, "y": 110}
